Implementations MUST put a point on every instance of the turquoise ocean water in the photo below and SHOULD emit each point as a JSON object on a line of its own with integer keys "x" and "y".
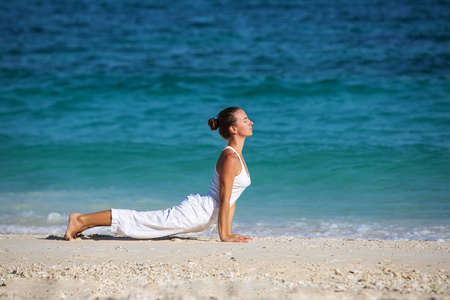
{"x": 105, "y": 104}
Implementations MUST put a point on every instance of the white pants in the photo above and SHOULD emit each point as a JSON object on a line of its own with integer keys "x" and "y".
{"x": 195, "y": 214}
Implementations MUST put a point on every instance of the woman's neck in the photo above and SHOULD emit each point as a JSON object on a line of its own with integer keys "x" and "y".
{"x": 237, "y": 145}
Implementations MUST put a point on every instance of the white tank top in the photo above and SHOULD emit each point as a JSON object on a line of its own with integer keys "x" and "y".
{"x": 240, "y": 182}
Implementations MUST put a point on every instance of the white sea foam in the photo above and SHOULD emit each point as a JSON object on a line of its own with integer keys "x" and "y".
{"x": 55, "y": 217}
{"x": 55, "y": 223}
{"x": 54, "y": 229}
{"x": 335, "y": 231}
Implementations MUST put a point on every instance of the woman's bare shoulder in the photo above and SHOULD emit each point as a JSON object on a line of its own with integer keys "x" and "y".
{"x": 228, "y": 160}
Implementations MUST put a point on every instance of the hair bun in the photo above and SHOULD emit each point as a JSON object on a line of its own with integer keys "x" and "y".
{"x": 213, "y": 123}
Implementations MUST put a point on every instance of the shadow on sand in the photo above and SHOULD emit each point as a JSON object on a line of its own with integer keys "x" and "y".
{"x": 104, "y": 237}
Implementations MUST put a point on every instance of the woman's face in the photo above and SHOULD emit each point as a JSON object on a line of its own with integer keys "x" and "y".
{"x": 243, "y": 124}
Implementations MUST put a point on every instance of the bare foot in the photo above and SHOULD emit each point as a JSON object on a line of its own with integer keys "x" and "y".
{"x": 74, "y": 227}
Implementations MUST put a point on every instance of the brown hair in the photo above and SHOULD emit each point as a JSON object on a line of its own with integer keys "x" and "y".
{"x": 224, "y": 120}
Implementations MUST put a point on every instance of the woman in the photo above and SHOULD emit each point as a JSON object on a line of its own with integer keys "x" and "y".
{"x": 196, "y": 213}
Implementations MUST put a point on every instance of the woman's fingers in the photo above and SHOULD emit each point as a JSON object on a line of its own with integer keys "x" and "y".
{"x": 236, "y": 238}
{"x": 244, "y": 237}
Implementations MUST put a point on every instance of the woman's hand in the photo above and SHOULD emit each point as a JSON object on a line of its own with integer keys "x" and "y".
{"x": 235, "y": 238}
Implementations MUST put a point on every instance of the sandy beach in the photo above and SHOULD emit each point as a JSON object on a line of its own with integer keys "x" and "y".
{"x": 190, "y": 267}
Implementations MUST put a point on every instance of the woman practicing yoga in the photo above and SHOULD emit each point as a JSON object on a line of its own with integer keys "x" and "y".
{"x": 196, "y": 213}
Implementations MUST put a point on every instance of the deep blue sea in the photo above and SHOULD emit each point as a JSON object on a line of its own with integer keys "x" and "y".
{"x": 105, "y": 104}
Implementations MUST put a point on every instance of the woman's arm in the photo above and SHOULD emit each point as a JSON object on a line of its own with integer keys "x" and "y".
{"x": 228, "y": 167}
{"x": 230, "y": 218}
